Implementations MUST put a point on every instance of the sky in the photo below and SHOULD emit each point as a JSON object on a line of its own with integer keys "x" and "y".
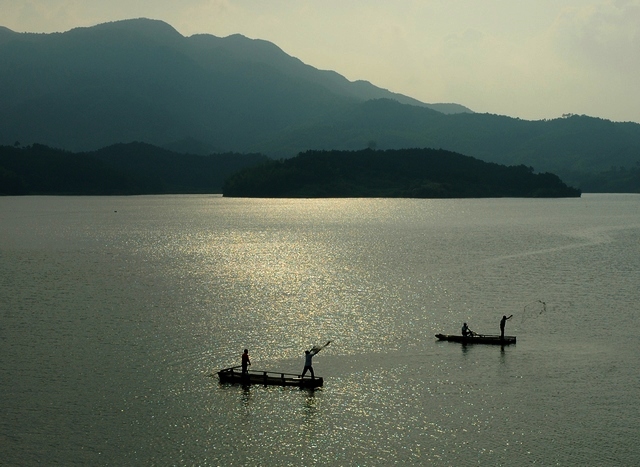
{"x": 530, "y": 59}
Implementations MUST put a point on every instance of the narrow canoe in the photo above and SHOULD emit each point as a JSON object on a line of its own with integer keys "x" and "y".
{"x": 267, "y": 378}
{"x": 478, "y": 339}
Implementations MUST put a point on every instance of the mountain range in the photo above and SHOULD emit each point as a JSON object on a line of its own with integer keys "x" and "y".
{"x": 140, "y": 80}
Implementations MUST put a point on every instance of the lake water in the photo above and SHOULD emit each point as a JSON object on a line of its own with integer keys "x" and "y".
{"x": 115, "y": 311}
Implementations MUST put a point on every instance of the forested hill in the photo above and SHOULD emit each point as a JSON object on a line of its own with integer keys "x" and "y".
{"x": 141, "y": 80}
{"x": 121, "y": 169}
{"x": 409, "y": 173}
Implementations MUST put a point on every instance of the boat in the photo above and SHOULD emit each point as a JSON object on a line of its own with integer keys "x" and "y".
{"x": 478, "y": 339}
{"x": 268, "y": 378}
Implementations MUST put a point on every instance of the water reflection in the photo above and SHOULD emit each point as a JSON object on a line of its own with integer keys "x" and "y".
{"x": 311, "y": 417}
{"x": 310, "y": 405}
{"x": 246, "y": 396}
{"x": 245, "y": 410}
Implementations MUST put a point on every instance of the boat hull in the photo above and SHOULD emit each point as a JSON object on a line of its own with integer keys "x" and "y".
{"x": 267, "y": 378}
{"x": 478, "y": 339}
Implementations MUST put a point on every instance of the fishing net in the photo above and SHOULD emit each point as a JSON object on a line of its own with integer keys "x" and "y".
{"x": 531, "y": 312}
{"x": 318, "y": 348}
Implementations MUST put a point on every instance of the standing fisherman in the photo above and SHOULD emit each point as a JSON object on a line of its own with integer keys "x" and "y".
{"x": 308, "y": 355}
{"x": 503, "y": 321}
{"x": 245, "y": 362}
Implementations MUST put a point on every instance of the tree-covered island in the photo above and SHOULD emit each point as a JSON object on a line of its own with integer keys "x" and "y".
{"x": 405, "y": 173}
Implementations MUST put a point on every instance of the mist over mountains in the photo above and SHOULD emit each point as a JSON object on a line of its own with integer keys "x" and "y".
{"x": 140, "y": 80}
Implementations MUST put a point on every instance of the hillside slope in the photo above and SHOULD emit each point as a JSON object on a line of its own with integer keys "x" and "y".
{"x": 407, "y": 173}
{"x": 140, "y": 80}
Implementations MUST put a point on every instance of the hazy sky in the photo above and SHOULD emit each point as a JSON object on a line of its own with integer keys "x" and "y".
{"x": 531, "y": 59}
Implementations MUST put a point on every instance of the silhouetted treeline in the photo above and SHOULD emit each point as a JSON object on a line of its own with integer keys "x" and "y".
{"x": 409, "y": 173}
{"x": 122, "y": 169}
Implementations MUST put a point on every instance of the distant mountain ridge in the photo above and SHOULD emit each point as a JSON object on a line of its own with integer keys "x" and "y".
{"x": 141, "y": 80}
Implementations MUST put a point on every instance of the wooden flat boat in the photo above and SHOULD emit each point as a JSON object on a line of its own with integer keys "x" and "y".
{"x": 267, "y": 378}
{"x": 478, "y": 339}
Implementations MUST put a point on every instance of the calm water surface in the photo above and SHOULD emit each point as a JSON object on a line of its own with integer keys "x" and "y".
{"x": 115, "y": 311}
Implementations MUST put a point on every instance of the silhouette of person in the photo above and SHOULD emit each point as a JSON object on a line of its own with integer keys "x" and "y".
{"x": 503, "y": 321}
{"x": 245, "y": 362}
{"x": 308, "y": 355}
